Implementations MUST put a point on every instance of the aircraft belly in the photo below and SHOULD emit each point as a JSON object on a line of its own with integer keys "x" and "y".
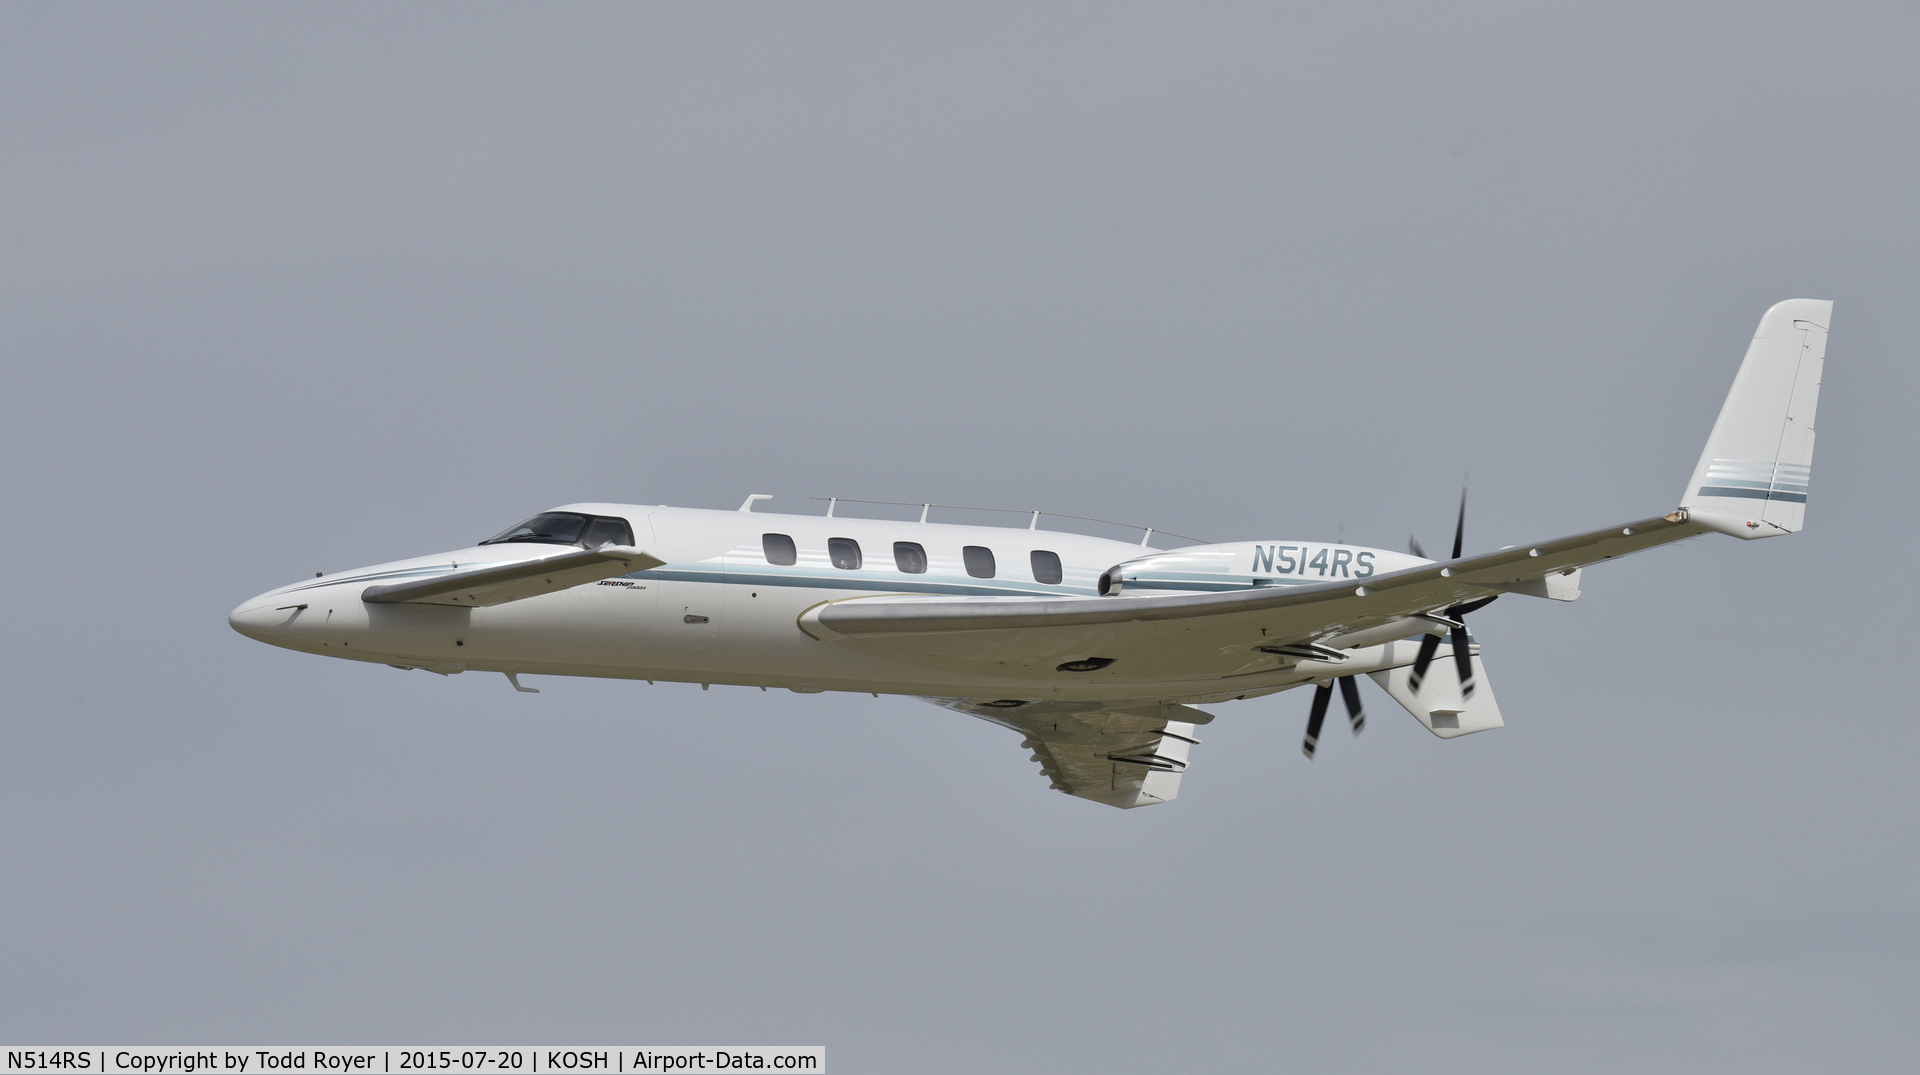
{"x": 613, "y": 629}
{"x": 614, "y": 632}
{"x": 749, "y": 637}
{"x": 599, "y": 639}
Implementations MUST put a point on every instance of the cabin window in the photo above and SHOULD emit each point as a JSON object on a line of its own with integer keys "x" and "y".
{"x": 779, "y": 549}
{"x": 1046, "y": 567}
{"x": 979, "y": 560}
{"x": 567, "y": 528}
{"x": 844, "y": 552}
{"x": 909, "y": 557}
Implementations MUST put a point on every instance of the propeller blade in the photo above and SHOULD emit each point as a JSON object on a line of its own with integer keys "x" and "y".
{"x": 1460, "y": 527}
{"x": 1413, "y": 546}
{"x": 1321, "y": 696}
{"x": 1462, "y": 661}
{"x": 1350, "y": 694}
{"x": 1428, "y": 645}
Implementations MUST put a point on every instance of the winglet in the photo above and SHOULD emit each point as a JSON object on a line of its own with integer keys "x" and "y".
{"x": 1752, "y": 478}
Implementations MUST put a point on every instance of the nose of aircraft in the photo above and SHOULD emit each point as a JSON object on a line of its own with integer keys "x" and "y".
{"x": 261, "y": 620}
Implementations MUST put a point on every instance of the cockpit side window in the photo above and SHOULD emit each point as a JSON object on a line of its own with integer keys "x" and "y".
{"x": 553, "y": 528}
{"x": 607, "y": 530}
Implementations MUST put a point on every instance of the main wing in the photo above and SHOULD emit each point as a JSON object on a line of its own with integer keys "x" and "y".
{"x": 1123, "y": 754}
{"x": 1751, "y": 482}
{"x": 1184, "y": 636}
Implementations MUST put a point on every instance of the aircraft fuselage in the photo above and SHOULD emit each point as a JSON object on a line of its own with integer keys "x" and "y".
{"x": 722, "y": 609}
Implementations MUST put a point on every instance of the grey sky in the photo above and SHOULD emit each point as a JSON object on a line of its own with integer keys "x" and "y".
{"x": 300, "y": 288}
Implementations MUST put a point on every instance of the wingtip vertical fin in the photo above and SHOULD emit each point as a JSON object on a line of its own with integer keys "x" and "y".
{"x": 1752, "y": 479}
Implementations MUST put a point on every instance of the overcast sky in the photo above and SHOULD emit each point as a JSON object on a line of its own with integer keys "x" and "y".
{"x": 303, "y": 288}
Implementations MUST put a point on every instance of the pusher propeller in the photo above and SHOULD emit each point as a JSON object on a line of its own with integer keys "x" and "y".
{"x": 1457, "y": 630}
{"x": 1356, "y": 716}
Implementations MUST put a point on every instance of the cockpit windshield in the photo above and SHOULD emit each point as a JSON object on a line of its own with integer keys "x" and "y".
{"x": 567, "y": 528}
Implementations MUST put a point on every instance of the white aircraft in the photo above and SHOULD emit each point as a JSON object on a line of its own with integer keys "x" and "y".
{"x": 1095, "y": 651}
